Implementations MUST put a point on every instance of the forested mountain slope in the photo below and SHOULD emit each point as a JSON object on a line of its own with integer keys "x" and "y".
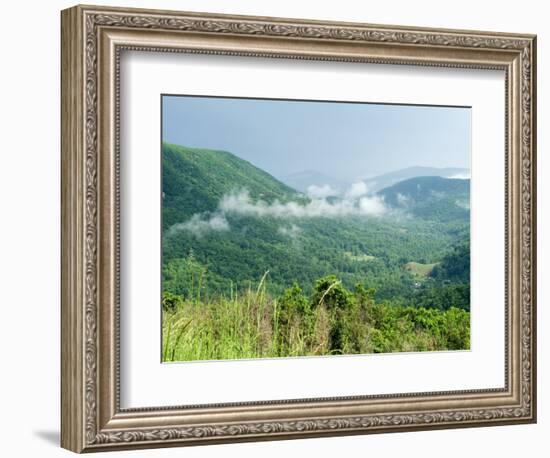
{"x": 228, "y": 222}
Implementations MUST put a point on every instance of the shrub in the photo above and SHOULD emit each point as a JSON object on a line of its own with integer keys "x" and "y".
{"x": 294, "y": 301}
{"x": 253, "y": 324}
{"x": 330, "y": 292}
{"x": 293, "y": 319}
{"x": 170, "y": 302}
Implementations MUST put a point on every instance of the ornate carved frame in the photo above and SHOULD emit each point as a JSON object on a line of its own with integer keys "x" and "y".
{"x": 92, "y": 39}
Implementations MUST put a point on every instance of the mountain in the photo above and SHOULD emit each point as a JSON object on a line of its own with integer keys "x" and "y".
{"x": 195, "y": 179}
{"x": 227, "y": 251}
{"x": 431, "y": 197}
{"x": 306, "y": 178}
{"x": 388, "y": 179}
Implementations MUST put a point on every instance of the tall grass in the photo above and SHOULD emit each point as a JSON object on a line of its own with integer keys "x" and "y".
{"x": 253, "y": 324}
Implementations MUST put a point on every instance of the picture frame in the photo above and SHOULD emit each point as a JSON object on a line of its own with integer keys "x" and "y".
{"x": 93, "y": 40}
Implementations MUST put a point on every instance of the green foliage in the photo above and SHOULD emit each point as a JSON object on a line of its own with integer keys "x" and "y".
{"x": 443, "y": 297}
{"x": 455, "y": 266}
{"x": 330, "y": 293}
{"x": 194, "y": 180}
{"x": 370, "y": 251}
{"x": 456, "y": 329}
{"x": 170, "y": 302}
{"x": 398, "y": 282}
{"x": 293, "y": 319}
{"x": 448, "y": 285}
{"x": 294, "y": 301}
{"x": 185, "y": 277}
{"x": 257, "y": 325}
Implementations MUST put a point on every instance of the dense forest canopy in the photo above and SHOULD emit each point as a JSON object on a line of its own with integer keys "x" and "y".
{"x": 229, "y": 226}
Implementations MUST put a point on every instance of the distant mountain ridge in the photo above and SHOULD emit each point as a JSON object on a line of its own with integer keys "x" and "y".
{"x": 302, "y": 180}
{"x": 430, "y": 197}
{"x": 388, "y": 179}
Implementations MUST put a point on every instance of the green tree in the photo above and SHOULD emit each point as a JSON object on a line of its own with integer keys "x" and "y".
{"x": 330, "y": 292}
{"x": 293, "y": 319}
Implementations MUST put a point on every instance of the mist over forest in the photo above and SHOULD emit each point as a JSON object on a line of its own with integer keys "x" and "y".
{"x": 332, "y": 252}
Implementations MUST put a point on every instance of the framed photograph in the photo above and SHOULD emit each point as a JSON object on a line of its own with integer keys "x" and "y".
{"x": 278, "y": 228}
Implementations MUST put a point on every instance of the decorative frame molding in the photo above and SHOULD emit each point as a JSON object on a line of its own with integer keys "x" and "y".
{"x": 92, "y": 39}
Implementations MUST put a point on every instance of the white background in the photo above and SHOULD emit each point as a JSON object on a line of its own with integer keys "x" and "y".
{"x": 145, "y": 76}
{"x": 29, "y": 246}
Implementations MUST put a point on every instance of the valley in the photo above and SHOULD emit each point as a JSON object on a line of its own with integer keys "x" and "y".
{"x": 235, "y": 237}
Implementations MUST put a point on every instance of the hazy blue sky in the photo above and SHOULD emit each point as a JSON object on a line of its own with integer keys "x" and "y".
{"x": 343, "y": 140}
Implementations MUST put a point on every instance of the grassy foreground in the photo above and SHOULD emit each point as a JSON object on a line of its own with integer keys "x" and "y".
{"x": 332, "y": 321}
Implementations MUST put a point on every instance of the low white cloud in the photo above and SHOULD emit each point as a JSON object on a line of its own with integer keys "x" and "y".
{"x": 320, "y": 192}
{"x": 402, "y": 199}
{"x": 200, "y": 224}
{"x": 355, "y": 202}
{"x": 357, "y": 190}
{"x": 241, "y": 203}
{"x": 437, "y": 194}
{"x": 460, "y": 176}
{"x": 291, "y": 231}
{"x": 371, "y": 206}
